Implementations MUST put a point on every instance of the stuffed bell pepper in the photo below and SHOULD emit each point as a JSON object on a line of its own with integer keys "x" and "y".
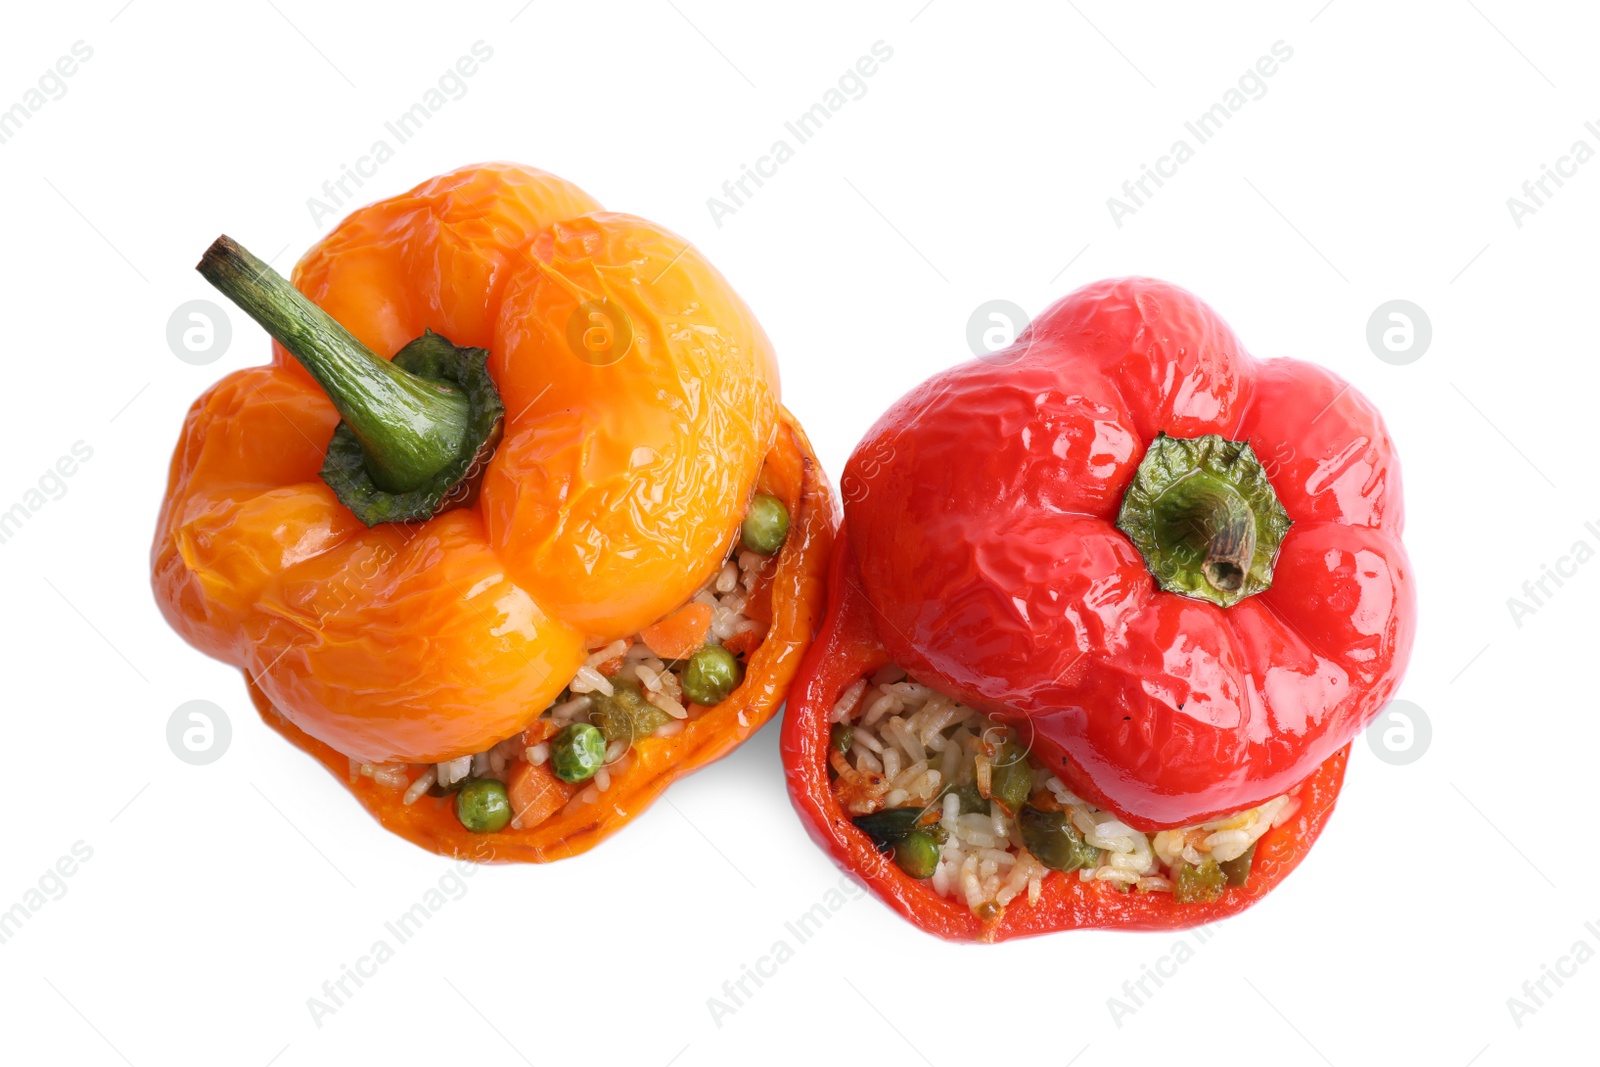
{"x": 513, "y": 530}
{"x": 1107, "y": 610}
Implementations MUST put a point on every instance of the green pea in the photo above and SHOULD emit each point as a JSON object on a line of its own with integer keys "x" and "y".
{"x": 577, "y": 752}
{"x": 1010, "y": 778}
{"x": 766, "y": 525}
{"x": 710, "y": 675}
{"x": 482, "y": 806}
{"x": 840, "y": 737}
{"x": 917, "y": 854}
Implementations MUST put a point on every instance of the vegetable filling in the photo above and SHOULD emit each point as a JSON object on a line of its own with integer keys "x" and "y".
{"x": 956, "y": 799}
{"x": 629, "y": 691}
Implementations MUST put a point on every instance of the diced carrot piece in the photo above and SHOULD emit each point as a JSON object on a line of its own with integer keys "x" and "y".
{"x": 536, "y": 793}
{"x": 680, "y": 634}
{"x": 745, "y": 641}
{"x": 610, "y": 666}
{"x": 540, "y": 730}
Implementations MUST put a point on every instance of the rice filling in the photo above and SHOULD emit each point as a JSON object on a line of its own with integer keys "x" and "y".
{"x": 960, "y": 803}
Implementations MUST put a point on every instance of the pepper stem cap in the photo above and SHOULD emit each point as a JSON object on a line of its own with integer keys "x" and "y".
{"x": 1206, "y": 519}
{"x": 415, "y": 430}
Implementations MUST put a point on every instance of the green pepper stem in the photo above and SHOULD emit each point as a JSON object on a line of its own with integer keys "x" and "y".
{"x": 1203, "y": 513}
{"x": 409, "y": 427}
{"x": 1223, "y": 518}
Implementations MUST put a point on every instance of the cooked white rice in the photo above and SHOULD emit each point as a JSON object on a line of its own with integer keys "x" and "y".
{"x": 909, "y": 745}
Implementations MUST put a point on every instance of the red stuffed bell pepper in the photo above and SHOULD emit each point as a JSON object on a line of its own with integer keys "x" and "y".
{"x": 1109, "y": 607}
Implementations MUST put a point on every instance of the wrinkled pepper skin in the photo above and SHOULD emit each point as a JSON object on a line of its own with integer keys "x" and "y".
{"x": 848, "y": 648}
{"x": 798, "y": 589}
{"x": 612, "y": 496}
{"x": 982, "y": 508}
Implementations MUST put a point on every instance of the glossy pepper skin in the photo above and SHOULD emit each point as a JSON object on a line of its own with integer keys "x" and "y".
{"x": 983, "y": 505}
{"x": 848, "y": 648}
{"x": 981, "y": 552}
{"x": 613, "y": 494}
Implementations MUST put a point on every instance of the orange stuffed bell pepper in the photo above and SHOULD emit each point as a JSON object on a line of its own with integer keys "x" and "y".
{"x": 513, "y": 531}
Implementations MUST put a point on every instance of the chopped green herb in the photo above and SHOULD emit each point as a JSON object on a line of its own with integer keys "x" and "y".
{"x": 626, "y": 715}
{"x": 1237, "y": 871}
{"x": 1010, "y": 778}
{"x": 1198, "y": 885}
{"x": 887, "y": 827}
{"x": 972, "y": 801}
{"x": 1054, "y": 841}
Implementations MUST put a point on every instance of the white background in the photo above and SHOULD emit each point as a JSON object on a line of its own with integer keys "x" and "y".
{"x": 976, "y": 166}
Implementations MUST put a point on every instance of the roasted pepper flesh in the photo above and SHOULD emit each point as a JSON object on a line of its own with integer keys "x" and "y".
{"x": 566, "y": 825}
{"x": 1019, "y": 523}
{"x": 640, "y": 417}
{"x": 847, "y": 649}
{"x": 1173, "y": 573}
{"x": 612, "y": 496}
